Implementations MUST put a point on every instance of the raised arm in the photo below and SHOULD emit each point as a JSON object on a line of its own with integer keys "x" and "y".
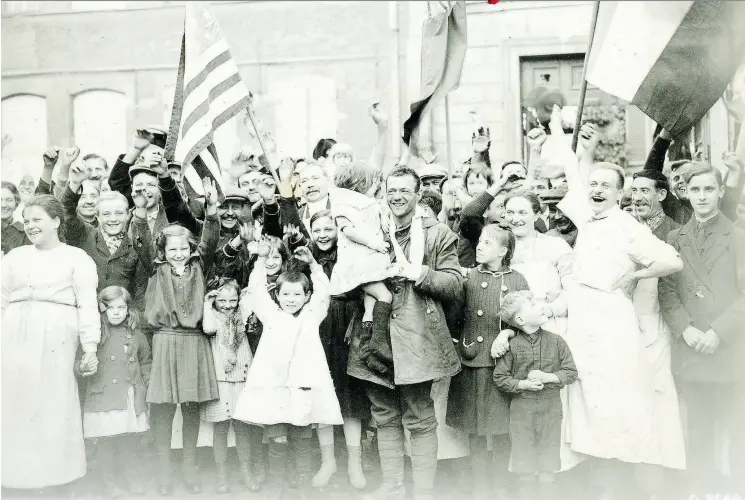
{"x": 76, "y": 230}
{"x": 377, "y": 157}
{"x": 211, "y": 232}
{"x": 656, "y": 157}
{"x": 142, "y": 240}
{"x": 209, "y": 316}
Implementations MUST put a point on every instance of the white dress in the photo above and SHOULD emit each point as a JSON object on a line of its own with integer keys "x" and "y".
{"x": 289, "y": 381}
{"x": 48, "y": 303}
{"x": 546, "y": 262}
{"x": 612, "y": 411}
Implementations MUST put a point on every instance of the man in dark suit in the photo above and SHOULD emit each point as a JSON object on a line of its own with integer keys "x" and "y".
{"x": 704, "y": 306}
{"x": 648, "y": 191}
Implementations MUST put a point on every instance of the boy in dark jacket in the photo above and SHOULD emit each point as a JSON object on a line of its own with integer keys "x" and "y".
{"x": 536, "y": 367}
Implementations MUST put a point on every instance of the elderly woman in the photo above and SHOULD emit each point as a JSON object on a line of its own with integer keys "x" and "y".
{"x": 546, "y": 263}
{"x": 12, "y": 232}
{"x": 48, "y": 306}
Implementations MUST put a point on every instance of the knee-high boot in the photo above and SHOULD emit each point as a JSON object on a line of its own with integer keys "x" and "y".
{"x": 424, "y": 463}
{"x": 391, "y": 451}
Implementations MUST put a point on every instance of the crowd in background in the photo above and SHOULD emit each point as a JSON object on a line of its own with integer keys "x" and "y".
{"x": 517, "y": 322}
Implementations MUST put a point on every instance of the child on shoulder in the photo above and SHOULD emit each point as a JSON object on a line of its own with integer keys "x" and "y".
{"x": 114, "y": 407}
{"x": 534, "y": 383}
{"x": 289, "y": 386}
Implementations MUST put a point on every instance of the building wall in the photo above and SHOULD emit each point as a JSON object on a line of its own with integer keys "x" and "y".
{"x": 135, "y": 51}
{"x": 314, "y": 66}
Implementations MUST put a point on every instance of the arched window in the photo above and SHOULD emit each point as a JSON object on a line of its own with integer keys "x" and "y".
{"x": 24, "y": 119}
{"x": 100, "y": 123}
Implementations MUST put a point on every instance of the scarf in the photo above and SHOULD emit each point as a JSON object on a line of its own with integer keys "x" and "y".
{"x": 113, "y": 242}
{"x": 416, "y": 236}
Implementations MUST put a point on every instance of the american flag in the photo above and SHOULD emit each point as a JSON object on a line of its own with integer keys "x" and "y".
{"x": 209, "y": 92}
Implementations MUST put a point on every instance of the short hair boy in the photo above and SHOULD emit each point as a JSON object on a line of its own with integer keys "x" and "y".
{"x": 536, "y": 367}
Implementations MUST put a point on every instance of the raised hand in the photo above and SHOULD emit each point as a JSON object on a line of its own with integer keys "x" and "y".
{"x": 378, "y": 115}
{"x": 732, "y": 162}
{"x": 267, "y": 188}
{"x": 139, "y": 199}
{"x": 210, "y": 195}
{"x": 263, "y": 248}
{"x": 70, "y": 155}
{"x": 589, "y": 136}
{"x": 78, "y": 173}
{"x": 142, "y": 139}
{"x": 154, "y": 159}
{"x": 536, "y": 138}
{"x": 303, "y": 254}
{"x": 50, "y": 157}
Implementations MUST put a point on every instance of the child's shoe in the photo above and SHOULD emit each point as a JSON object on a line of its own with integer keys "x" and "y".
{"x": 328, "y": 467}
{"x": 190, "y": 472}
{"x": 249, "y": 480}
{"x": 354, "y": 468}
{"x": 222, "y": 479}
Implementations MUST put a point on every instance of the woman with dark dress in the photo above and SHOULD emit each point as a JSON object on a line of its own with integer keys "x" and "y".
{"x": 355, "y": 406}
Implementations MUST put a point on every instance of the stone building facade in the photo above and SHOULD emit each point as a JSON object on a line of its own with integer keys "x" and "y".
{"x": 90, "y": 73}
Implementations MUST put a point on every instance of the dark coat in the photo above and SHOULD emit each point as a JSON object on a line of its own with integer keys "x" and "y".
{"x": 707, "y": 296}
{"x": 422, "y": 347}
{"x": 113, "y": 270}
{"x": 118, "y": 368}
{"x": 12, "y": 236}
{"x": 665, "y": 227}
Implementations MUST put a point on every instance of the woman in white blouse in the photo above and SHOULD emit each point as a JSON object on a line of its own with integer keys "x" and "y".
{"x": 546, "y": 263}
{"x": 48, "y": 307}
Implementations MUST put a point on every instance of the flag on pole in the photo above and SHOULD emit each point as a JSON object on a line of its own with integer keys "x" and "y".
{"x": 443, "y": 52}
{"x": 673, "y": 60}
{"x": 209, "y": 92}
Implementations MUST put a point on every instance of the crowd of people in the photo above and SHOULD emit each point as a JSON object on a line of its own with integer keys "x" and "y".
{"x": 518, "y": 320}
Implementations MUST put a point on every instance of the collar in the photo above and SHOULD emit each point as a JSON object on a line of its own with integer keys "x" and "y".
{"x": 655, "y": 221}
{"x": 152, "y": 213}
{"x": 606, "y": 214}
{"x": 708, "y": 221}
{"x": 115, "y": 237}
{"x": 482, "y": 269}
{"x": 313, "y": 207}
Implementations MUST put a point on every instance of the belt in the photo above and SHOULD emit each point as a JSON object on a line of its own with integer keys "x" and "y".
{"x": 179, "y": 331}
{"x": 38, "y": 299}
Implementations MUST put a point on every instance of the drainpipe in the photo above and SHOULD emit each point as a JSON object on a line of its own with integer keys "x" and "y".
{"x": 395, "y": 82}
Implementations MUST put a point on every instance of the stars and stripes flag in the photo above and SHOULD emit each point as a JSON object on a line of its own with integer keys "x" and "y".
{"x": 673, "y": 60}
{"x": 209, "y": 92}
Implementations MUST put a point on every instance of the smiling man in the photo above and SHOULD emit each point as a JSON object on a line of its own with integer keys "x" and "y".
{"x": 612, "y": 413}
{"x": 314, "y": 184}
{"x": 648, "y": 190}
{"x": 108, "y": 244}
{"x": 420, "y": 346}
{"x": 704, "y": 305}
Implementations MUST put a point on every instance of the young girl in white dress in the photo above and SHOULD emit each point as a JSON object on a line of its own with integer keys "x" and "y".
{"x": 289, "y": 386}
{"x": 226, "y": 326}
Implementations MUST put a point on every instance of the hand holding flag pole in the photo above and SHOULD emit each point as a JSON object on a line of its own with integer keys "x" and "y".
{"x": 583, "y": 88}
{"x": 269, "y": 158}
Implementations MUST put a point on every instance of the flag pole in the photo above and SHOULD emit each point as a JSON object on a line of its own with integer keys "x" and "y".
{"x": 272, "y": 168}
{"x": 583, "y": 88}
{"x": 447, "y": 134}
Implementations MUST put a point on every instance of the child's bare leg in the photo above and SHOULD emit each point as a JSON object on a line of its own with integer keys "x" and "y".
{"x": 375, "y": 292}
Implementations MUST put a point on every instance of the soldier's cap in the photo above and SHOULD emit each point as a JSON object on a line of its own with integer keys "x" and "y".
{"x": 432, "y": 170}
{"x": 554, "y": 195}
{"x": 141, "y": 168}
{"x": 233, "y": 193}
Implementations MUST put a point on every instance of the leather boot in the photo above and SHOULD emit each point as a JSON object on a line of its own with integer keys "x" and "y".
{"x": 222, "y": 478}
{"x": 424, "y": 463}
